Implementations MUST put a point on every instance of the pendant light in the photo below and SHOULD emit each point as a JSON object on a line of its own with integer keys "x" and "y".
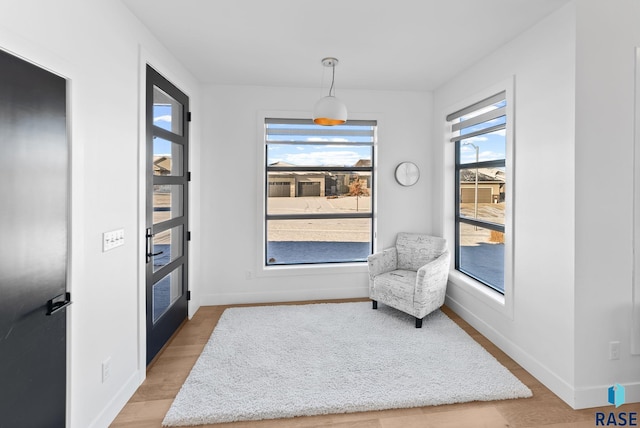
{"x": 330, "y": 110}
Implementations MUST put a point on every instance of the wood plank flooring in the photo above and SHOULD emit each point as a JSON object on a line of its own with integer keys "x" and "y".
{"x": 168, "y": 371}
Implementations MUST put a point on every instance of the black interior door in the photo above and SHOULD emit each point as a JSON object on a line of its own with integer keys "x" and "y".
{"x": 167, "y": 195}
{"x": 33, "y": 245}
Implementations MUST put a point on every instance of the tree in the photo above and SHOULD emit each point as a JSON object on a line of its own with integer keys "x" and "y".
{"x": 357, "y": 188}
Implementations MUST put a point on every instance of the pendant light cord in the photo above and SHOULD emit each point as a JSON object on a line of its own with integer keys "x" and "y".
{"x": 333, "y": 78}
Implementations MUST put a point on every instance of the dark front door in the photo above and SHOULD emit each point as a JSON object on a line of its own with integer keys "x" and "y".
{"x": 33, "y": 245}
{"x": 167, "y": 195}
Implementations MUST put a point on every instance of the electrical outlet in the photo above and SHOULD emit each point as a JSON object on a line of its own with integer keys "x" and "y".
{"x": 614, "y": 350}
{"x": 106, "y": 369}
{"x": 113, "y": 239}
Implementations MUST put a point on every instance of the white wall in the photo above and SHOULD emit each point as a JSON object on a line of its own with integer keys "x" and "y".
{"x": 574, "y": 135}
{"x": 96, "y": 45}
{"x": 607, "y": 35}
{"x": 539, "y": 334}
{"x": 231, "y": 189}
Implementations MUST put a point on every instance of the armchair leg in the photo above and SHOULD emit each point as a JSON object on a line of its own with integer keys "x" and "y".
{"x": 418, "y": 322}
{"x": 375, "y": 304}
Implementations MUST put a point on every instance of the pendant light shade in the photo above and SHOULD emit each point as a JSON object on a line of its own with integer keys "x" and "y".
{"x": 330, "y": 110}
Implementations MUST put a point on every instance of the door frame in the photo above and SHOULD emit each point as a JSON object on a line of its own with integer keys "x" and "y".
{"x": 51, "y": 62}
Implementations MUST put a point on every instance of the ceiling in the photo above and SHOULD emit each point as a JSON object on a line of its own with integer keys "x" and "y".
{"x": 413, "y": 45}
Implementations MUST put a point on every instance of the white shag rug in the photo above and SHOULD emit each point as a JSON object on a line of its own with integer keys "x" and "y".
{"x": 272, "y": 362}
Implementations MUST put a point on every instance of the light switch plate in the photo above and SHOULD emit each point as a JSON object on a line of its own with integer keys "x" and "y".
{"x": 113, "y": 239}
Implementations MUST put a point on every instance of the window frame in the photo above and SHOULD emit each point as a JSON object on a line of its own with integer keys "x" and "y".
{"x": 463, "y": 286}
{"x": 459, "y": 166}
{"x": 265, "y": 269}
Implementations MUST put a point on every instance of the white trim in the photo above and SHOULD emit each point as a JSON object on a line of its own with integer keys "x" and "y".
{"x": 577, "y": 398}
{"x": 296, "y": 270}
{"x": 284, "y": 296}
{"x": 142, "y": 206}
{"x": 538, "y": 370}
{"x": 459, "y": 282}
{"x": 635, "y": 321}
{"x": 319, "y": 269}
{"x": 117, "y": 403}
{"x": 146, "y": 58}
{"x": 503, "y": 304}
{"x": 596, "y": 396}
{"x": 48, "y": 60}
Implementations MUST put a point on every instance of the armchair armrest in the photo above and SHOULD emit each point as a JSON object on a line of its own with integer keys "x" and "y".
{"x": 384, "y": 261}
{"x": 431, "y": 281}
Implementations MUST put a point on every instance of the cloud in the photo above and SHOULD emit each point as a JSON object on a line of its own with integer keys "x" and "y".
{"x": 486, "y": 137}
{"x": 467, "y": 156}
{"x": 346, "y": 158}
{"x": 490, "y": 155}
{"x": 163, "y": 118}
{"x": 476, "y": 139}
{"x": 327, "y": 140}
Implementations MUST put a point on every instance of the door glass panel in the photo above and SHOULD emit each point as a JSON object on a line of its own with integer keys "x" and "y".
{"x": 167, "y": 112}
{"x": 167, "y": 202}
{"x": 167, "y": 157}
{"x": 166, "y": 292}
{"x": 168, "y": 244}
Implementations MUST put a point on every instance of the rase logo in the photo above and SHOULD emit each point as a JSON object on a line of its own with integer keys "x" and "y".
{"x": 616, "y": 395}
{"x": 620, "y": 419}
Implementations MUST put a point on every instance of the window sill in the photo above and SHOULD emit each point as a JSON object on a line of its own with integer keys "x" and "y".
{"x": 313, "y": 269}
{"x": 481, "y": 292}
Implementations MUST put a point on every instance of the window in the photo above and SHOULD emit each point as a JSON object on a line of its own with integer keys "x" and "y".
{"x": 318, "y": 192}
{"x": 480, "y": 187}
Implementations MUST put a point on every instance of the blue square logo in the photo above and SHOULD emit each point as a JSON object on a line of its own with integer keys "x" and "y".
{"x": 616, "y": 395}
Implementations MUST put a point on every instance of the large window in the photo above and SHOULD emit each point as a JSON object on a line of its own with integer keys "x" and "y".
{"x": 480, "y": 185}
{"x": 318, "y": 192}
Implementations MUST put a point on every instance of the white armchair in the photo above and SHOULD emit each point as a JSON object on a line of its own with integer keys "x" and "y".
{"x": 412, "y": 276}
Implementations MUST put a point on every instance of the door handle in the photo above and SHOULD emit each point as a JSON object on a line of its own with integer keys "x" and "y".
{"x": 148, "y": 251}
{"x": 149, "y": 246}
{"x": 58, "y": 303}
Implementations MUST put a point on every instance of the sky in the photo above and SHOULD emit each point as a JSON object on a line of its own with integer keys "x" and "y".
{"x": 294, "y": 144}
{"x": 312, "y": 155}
{"x": 162, "y": 119}
{"x": 491, "y": 146}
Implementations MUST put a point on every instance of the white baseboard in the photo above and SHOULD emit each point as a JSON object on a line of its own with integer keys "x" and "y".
{"x": 282, "y": 296}
{"x": 193, "y": 306}
{"x": 117, "y": 403}
{"x": 577, "y": 398}
{"x": 538, "y": 370}
{"x": 596, "y": 396}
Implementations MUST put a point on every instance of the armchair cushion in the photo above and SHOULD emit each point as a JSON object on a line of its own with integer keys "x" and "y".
{"x": 396, "y": 286}
{"x": 416, "y": 250}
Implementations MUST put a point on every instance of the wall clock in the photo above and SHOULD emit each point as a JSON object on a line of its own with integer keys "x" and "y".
{"x": 407, "y": 173}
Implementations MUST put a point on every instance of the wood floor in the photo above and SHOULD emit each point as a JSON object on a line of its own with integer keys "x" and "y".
{"x": 168, "y": 371}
